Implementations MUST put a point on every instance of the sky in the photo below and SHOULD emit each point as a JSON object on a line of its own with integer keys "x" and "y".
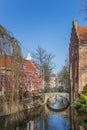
{"x": 44, "y": 23}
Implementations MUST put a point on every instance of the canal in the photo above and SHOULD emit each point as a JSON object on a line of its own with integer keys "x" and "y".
{"x": 44, "y": 119}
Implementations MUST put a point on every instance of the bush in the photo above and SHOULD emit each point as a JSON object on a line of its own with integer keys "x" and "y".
{"x": 85, "y": 90}
{"x": 81, "y": 103}
{"x": 78, "y": 105}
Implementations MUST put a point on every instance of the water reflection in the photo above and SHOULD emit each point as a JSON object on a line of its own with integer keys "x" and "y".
{"x": 44, "y": 119}
{"x": 59, "y": 103}
{"x": 78, "y": 120}
{"x": 54, "y": 122}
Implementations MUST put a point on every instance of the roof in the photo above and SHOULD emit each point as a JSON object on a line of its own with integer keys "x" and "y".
{"x": 7, "y": 61}
{"x": 82, "y": 32}
{"x": 29, "y": 65}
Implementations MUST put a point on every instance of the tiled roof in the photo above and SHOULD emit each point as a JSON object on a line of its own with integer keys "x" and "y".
{"x": 82, "y": 32}
{"x": 29, "y": 65}
{"x": 7, "y": 61}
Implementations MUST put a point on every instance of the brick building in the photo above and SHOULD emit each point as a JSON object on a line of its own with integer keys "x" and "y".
{"x": 27, "y": 77}
{"x": 78, "y": 59}
{"x": 16, "y": 73}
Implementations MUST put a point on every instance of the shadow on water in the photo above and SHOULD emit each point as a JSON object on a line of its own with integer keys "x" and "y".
{"x": 78, "y": 120}
{"x": 42, "y": 119}
{"x": 19, "y": 120}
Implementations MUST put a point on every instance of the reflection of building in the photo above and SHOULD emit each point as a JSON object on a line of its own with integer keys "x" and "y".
{"x": 77, "y": 120}
{"x": 30, "y": 125}
{"x": 53, "y": 81}
{"x": 78, "y": 59}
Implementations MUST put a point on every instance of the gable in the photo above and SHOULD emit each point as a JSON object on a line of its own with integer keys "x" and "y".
{"x": 82, "y": 32}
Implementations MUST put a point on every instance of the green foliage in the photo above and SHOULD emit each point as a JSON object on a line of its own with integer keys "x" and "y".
{"x": 81, "y": 103}
{"x": 63, "y": 76}
{"x": 46, "y": 88}
{"x": 85, "y": 90}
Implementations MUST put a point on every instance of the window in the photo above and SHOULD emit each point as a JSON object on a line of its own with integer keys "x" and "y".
{"x": 2, "y": 79}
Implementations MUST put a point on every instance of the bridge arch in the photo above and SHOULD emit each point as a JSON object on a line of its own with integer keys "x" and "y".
{"x": 48, "y": 95}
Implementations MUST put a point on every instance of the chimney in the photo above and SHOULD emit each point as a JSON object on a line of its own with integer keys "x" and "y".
{"x": 75, "y": 23}
{"x": 29, "y": 57}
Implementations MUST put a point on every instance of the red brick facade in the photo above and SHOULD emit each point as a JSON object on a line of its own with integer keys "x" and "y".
{"x": 26, "y": 75}
{"x": 78, "y": 59}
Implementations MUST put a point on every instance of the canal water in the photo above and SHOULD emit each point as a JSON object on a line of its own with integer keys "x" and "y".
{"x": 59, "y": 104}
{"x": 44, "y": 119}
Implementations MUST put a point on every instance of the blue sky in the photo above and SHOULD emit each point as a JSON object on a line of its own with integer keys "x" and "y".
{"x": 44, "y": 23}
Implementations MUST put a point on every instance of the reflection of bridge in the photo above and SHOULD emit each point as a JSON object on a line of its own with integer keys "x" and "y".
{"x": 48, "y": 95}
{"x": 48, "y": 111}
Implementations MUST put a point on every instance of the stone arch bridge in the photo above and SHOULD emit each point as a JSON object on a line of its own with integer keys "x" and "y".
{"x": 48, "y": 95}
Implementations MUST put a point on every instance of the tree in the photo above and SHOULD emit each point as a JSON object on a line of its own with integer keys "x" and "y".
{"x": 43, "y": 61}
{"x": 81, "y": 103}
{"x": 29, "y": 81}
{"x": 10, "y": 54}
{"x": 84, "y": 8}
{"x": 63, "y": 76}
